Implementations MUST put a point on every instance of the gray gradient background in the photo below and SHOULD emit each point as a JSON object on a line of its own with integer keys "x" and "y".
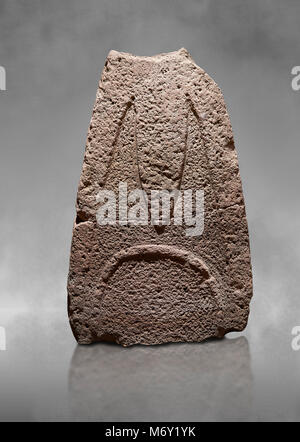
{"x": 53, "y": 53}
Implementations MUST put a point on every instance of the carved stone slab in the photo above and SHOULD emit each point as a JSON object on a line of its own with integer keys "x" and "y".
{"x": 159, "y": 124}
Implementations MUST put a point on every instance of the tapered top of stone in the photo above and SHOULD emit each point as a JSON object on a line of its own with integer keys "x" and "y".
{"x": 181, "y": 54}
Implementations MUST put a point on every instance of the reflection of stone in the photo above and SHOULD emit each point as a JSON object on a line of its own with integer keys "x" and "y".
{"x": 173, "y": 382}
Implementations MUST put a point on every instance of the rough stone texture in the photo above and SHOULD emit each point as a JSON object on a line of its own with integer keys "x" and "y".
{"x": 159, "y": 123}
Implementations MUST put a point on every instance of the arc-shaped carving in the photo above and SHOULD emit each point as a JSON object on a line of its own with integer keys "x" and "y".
{"x": 114, "y": 146}
{"x": 156, "y": 251}
{"x": 130, "y": 104}
{"x": 191, "y": 111}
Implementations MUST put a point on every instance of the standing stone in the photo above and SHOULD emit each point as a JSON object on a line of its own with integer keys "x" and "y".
{"x": 159, "y": 123}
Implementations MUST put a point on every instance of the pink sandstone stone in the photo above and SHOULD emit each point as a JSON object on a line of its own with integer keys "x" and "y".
{"x": 159, "y": 123}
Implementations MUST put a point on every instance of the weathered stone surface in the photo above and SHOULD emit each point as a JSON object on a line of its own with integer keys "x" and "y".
{"x": 159, "y": 123}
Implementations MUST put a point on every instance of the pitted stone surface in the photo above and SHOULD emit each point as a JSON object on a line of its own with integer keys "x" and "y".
{"x": 159, "y": 123}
